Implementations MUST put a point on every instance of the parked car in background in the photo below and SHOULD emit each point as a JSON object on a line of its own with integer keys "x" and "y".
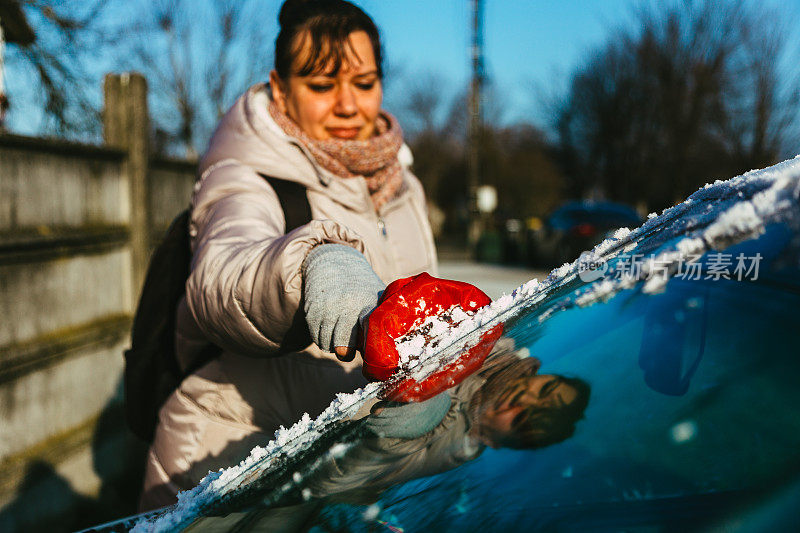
{"x": 577, "y": 226}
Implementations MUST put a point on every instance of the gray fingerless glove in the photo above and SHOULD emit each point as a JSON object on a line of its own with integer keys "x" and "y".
{"x": 409, "y": 420}
{"x": 339, "y": 287}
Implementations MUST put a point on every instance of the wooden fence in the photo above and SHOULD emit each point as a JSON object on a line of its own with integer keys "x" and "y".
{"x": 77, "y": 224}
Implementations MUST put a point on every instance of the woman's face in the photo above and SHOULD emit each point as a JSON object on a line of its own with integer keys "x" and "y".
{"x": 340, "y": 106}
{"x": 542, "y": 391}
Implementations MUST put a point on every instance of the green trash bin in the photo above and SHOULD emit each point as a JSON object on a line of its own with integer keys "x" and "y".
{"x": 489, "y": 248}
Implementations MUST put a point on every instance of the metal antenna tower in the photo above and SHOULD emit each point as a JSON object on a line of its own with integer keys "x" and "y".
{"x": 475, "y": 122}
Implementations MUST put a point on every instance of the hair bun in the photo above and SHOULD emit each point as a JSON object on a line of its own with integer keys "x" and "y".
{"x": 297, "y": 11}
{"x": 329, "y": 23}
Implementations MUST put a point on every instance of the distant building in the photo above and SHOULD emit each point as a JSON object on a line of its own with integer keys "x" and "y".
{"x": 14, "y": 28}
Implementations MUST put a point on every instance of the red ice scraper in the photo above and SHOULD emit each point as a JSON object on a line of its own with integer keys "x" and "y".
{"x": 404, "y": 306}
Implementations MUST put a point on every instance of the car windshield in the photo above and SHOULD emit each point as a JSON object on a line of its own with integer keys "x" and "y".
{"x": 685, "y": 329}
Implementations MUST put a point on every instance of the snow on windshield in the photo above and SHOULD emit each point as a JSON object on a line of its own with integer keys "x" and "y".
{"x": 714, "y": 217}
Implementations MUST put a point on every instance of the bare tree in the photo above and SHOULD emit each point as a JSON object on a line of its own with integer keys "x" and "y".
{"x": 58, "y": 62}
{"x": 695, "y": 94}
{"x": 198, "y": 55}
{"x": 423, "y": 101}
{"x": 515, "y": 159}
{"x": 766, "y": 99}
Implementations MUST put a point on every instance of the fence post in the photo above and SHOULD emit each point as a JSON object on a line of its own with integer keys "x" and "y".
{"x": 126, "y": 126}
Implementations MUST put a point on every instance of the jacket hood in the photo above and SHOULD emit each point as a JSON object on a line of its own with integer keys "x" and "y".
{"x": 248, "y": 135}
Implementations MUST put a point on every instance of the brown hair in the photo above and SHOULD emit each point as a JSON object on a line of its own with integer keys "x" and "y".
{"x": 537, "y": 427}
{"x": 329, "y": 24}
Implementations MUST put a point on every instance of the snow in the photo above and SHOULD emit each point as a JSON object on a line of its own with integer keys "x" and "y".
{"x": 428, "y": 334}
{"x": 372, "y": 512}
{"x": 690, "y": 246}
{"x": 620, "y": 235}
{"x": 683, "y": 432}
{"x": 744, "y": 219}
{"x": 425, "y": 350}
{"x": 338, "y": 450}
{"x": 602, "y": 290}
{"x": 286, "y": 442}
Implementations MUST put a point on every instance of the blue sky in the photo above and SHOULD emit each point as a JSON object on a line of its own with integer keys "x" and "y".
{"x": 531, "y": 46}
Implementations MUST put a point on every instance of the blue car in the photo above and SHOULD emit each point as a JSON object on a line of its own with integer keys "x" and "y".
{"x": 577, "y": 226}
{"x": 685, "y": 331}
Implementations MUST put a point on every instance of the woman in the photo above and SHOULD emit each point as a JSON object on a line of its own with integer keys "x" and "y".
{"x": 262, "y": 294}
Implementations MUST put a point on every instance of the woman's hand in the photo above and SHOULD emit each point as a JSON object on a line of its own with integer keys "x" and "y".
{"x": 408, "y": 420}
{"x": 339, "y": 287}
{"x": 345, "y": 353}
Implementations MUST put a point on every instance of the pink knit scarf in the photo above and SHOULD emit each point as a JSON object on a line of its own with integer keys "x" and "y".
{"x": 374, "y": 159}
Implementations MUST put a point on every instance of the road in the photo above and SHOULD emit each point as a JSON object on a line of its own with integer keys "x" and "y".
{"x": 494, "y": 280}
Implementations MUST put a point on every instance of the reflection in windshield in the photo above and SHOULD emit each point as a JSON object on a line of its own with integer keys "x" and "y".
{"x": 673, "y": 341}
{"x": 506, "y": 404}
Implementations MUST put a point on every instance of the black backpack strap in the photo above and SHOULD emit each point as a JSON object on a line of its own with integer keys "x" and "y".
{"x": 294, "y": 201}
